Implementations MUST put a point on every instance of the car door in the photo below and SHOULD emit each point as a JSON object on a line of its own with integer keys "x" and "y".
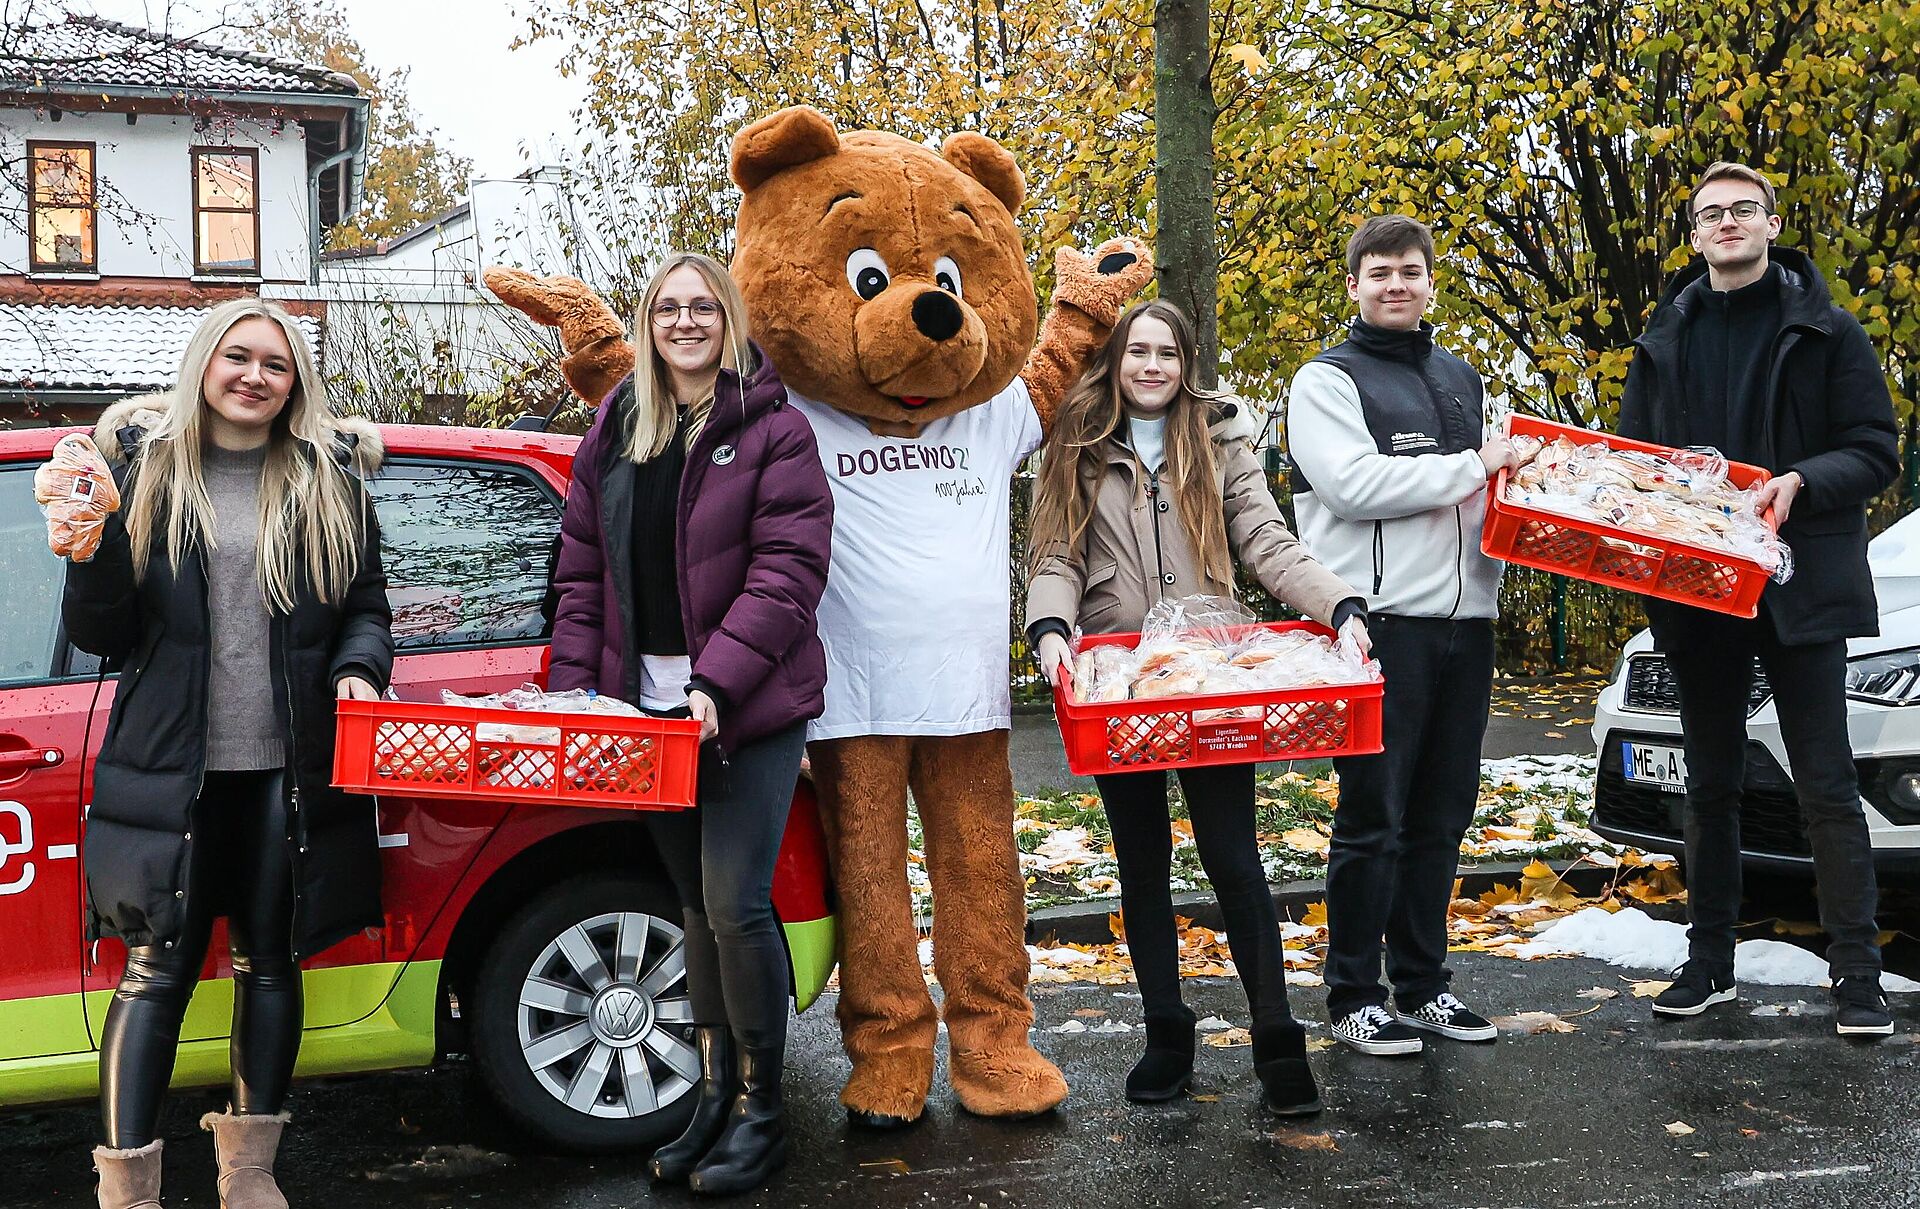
{"x": 43, "y": 737}
{"x": 468, "y": 548}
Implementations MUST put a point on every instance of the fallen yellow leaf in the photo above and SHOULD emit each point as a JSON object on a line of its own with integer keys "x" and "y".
{"x": 1534, "y": 1022}
{"x": 1305, "y": 1141}
{"x": 1231, "y": 1038}
{"x": 1679, "y": 1129}
{"x": 1645, "y": 988}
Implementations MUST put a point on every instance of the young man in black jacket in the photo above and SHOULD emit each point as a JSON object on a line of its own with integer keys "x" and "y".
{"x": 1749, "y": 354}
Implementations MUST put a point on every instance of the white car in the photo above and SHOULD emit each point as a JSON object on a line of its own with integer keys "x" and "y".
{"x": 1639, "y": 794}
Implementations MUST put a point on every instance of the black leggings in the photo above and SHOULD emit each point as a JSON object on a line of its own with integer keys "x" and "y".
{"x": 239, "y": 862}
{"x": 720, "y": 858}
{"x": 1220, "y": 804}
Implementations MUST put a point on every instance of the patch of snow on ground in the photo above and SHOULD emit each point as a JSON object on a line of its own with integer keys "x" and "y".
{"x": 1633, "y": 938}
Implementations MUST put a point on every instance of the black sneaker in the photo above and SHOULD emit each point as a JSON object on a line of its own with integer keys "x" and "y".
{"x": 1449, "y": 1017}
{"x": 1860, "y": 1008}
{"x": 1372, "y": 1031}
{"x": 1694, "y": 990}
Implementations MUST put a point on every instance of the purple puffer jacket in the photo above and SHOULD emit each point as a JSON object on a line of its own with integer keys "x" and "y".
{"x": 755, "y": 523}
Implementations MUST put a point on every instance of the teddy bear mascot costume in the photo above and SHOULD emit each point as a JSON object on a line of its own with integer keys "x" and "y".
{"x": 888, "y": 284}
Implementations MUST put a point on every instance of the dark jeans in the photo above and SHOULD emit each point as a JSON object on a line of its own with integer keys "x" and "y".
{"x": 239, "y": 866}
{"x": 1712, "y": 660}
{"x": 1396, "y": 833}
{"x": 1220, "y": 804}
{"x": 720, "y": 857}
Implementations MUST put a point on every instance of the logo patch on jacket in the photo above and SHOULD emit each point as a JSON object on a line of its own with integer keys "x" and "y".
{"x": 1404, "y": 441}
{"x": 723, "y": 455}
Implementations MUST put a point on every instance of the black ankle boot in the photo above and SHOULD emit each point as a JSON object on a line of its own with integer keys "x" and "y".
{"x": 719, "y": 1084}
{"x": 1280, "y": 1063}
{"x": 754, "y": 1144}
{"x": 1164, "y": 1071}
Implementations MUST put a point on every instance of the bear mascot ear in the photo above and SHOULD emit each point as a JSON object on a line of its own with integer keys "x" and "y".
{"x": 796, "y": 135}
{"x": 989, "y": 163}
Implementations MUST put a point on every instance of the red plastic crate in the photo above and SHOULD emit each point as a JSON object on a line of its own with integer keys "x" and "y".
{"x": 1294, "y": 724}
{"x": 1650, "y": 566}
{"x": 402, "y": 747}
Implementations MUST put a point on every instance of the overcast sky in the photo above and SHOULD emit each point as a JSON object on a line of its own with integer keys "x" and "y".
{"x": 484, "y": 99}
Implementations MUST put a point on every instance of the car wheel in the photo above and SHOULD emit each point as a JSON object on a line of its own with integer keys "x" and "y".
{"x": 582, "y": 1028}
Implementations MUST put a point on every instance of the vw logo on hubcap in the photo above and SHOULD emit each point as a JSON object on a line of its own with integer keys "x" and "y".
{"x": 621, "y": 1014}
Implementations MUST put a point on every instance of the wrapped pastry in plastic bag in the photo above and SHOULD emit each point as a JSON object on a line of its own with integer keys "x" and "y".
{"x": 532, "y": 699}
{"x": 1683, "y": 495}
{"x": 1104, "y": 673}
{"x": 76, "y": 492}
{"x": 1201, "y": 645}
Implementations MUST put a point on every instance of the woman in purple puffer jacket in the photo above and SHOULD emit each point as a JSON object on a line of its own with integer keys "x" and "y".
{"x": 692, "y": 558}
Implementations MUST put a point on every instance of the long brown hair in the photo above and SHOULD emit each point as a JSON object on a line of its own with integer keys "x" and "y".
{"x": 1073, "y": 462}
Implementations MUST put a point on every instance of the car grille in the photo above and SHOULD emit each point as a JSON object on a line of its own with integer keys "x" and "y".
{"x": 1769, "y": 813}
{"x": 1651, "y": 690}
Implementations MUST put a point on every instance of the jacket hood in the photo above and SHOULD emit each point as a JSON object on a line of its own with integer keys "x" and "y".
{"x": 358, "y": 445}
{"x": 1806, "y": 299}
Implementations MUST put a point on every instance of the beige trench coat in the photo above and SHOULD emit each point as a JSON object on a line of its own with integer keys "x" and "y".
{"x": 1135, "y": 551}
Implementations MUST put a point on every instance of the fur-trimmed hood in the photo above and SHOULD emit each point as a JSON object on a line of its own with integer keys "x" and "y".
{"x": 358, "y": 448}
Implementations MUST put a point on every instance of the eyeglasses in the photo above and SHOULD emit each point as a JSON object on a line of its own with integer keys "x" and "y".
{"x": 704, "y": 313}
{"x": 1741, "y": 210}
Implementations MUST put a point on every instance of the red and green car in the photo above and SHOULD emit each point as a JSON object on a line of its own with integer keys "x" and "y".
{"x": 543, "y": 942}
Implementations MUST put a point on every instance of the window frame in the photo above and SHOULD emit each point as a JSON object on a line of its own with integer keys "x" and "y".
{"x": 200, "y": 266}
{"x": 34, "y": 263}
{"x": 473, "y": 465}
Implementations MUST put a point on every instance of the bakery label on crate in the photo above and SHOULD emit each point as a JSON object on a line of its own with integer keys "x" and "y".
{"x": 1220, "y": 738}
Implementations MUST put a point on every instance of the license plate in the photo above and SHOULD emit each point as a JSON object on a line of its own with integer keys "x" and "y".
{"x": 1655, "y": 764}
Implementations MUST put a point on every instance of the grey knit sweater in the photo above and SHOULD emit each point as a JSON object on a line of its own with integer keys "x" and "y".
{"x": 244, "y": 731}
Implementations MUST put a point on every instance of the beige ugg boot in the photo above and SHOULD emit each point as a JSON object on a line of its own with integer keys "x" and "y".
{"x": 245, "y": 1147}
{"x": 129, "y": 1179}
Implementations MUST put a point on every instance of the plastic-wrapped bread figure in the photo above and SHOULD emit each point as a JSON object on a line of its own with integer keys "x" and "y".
{"x": 76, "y": 491}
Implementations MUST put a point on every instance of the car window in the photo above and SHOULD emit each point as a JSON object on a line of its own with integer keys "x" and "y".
{"x": 30, "y": 588}
{"x": 468, "y": 551}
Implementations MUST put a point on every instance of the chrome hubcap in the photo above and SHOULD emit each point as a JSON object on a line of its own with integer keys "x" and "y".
{"x": 604, "y": 1017}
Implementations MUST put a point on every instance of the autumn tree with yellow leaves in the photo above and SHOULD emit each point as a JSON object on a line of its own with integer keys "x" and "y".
{"x": 1551, "y": 143}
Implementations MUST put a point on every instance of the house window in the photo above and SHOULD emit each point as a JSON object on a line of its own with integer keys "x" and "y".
{"x": 61, "y": 206}
{"x": 226, "y": 210}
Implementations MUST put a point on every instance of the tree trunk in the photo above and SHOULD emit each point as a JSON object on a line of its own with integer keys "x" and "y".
{"x": 1183, "y": 113}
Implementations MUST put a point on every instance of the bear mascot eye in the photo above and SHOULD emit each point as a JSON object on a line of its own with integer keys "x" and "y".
{"x": 867, "y": 273}
{"x": 946, "y": 275}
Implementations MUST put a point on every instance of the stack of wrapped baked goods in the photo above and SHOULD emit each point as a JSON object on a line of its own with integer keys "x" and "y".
{"x": 1682, "y": 496}
{"x": 76, "y": 492}
{"x": 1186, "y": 651}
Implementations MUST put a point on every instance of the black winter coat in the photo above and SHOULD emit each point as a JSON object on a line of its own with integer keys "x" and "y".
{"x": 1825, "y": 412}
{"x": 153, "y": 758}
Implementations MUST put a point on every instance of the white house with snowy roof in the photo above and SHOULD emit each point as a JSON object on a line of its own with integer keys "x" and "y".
{"x": 145, "y": 178}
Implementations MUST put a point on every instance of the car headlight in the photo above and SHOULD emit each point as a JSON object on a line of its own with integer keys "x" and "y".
{"x": 1890, "y": 678}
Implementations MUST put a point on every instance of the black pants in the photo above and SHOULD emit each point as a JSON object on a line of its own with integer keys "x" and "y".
{"x": 1220, "y": 804}
{"x": 1396, "y": 834}
{"x": 1712, "y": 660}
{"x": 720, "y": 857}
{"x": 238, "y": 866}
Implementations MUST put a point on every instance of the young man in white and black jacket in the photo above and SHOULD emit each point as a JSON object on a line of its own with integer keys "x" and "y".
{"x": 1386, "y": 433}
{"x": 1749, "y": 354}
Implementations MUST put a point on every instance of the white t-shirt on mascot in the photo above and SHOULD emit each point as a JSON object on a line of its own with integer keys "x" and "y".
{"x": 914, "y": 619}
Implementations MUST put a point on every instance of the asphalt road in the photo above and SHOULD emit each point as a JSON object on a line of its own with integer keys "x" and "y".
{"x": 1781, "y": 1112}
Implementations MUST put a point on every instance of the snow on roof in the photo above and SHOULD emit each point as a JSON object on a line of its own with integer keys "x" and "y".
{"x": 81, "y": 54}
{"x": 100, "y": 347}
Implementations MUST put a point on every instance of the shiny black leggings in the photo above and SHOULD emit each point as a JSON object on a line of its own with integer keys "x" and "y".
{"x": 239, "y": 865}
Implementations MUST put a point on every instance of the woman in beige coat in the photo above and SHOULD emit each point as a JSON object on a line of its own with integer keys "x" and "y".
{"x": 1138, "y": 503}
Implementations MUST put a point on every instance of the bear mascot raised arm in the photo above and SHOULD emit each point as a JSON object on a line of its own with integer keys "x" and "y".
{"x": 888, "y": 284}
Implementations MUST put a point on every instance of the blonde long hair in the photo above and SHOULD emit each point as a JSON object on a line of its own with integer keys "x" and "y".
{"x": 654, "y": 412}
{"x": 1074, "y": 462}
{"x": 310, "y": 514}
